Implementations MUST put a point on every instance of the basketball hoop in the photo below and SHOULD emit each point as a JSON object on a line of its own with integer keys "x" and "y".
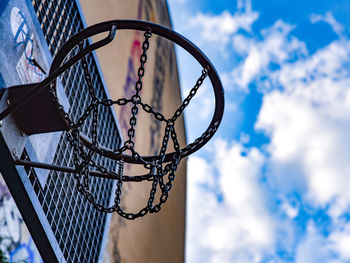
{"x": 162, "y": 167}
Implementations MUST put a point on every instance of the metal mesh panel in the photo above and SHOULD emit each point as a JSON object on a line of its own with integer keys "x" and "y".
{"x": 77, "y": 226}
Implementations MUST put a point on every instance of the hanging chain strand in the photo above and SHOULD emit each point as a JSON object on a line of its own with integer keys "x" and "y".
{"x": 193, "y": 92}
{"x": 94, "y": 109}
{"x": 135, "y": 99}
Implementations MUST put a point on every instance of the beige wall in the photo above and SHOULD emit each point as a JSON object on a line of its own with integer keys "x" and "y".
{"x": 155, "y": 237}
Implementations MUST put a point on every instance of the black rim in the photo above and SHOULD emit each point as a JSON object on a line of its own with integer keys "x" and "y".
{"x": 109, "y": 26}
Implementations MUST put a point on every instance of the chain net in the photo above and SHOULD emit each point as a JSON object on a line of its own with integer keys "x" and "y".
{"x": 161, "y": 173}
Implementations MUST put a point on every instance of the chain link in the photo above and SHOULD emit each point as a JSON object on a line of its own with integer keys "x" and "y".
{"x": 147, "y": 108}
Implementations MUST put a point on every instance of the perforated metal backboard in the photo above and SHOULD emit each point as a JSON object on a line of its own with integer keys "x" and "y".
{"x": 64, "y": 226}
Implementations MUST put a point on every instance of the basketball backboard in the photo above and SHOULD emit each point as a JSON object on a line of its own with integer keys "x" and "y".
{"x": 63, "y": 226}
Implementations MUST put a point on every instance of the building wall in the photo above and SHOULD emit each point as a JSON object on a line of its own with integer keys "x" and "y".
{"x": 155, "y": 237}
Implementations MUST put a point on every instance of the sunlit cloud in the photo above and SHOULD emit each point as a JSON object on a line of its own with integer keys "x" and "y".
{"x": 307, "y": 121}
{"x": 220, "y": 28}
{"x": 237, "y": 227}
{"x": 276, "y": 48}
{"x": 313, "y": 247}
{"x": 339, "y": 241}
{"x": 305, "y": 116}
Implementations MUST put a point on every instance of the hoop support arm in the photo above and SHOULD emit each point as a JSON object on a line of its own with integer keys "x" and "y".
{"x": 59, "y": 168}
{"x": 45, "y": 83}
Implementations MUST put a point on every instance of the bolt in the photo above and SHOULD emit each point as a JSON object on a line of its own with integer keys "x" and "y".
{"x": 14, "y": 153}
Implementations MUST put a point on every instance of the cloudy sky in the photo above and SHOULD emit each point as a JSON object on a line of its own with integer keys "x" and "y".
{"x": 274, "y": 183}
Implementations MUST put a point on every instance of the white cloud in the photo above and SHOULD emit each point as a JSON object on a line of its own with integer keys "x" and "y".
{"x": 313, "y": 248}
{"x": 200, "y": 204}
{"x": 324, "y": 68}
{"x": 244, "y": 6}
{"x": 305, "y": 112}
{"x": 329, "y": 19}
{"x": 340, "y": 242}
{"x": 290, "y": 210}
{"x": 276, "y": 47}
{"x": 308, "y": 123}
{"x": 238, "y": 229}
{"x": 220, "y": 28}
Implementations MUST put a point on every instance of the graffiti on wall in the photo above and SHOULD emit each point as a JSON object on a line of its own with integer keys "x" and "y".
{"x": 27, "y": 67}
{"x": 133, "y": 63}
{"x": 15, "y": 240}
{"x": 163, "y": 57}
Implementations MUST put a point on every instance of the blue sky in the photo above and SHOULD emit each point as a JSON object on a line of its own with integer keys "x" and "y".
{"x": 273, "y": 184}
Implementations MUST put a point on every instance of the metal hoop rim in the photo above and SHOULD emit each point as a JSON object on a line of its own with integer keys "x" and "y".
{"x": 172, "y": 36}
